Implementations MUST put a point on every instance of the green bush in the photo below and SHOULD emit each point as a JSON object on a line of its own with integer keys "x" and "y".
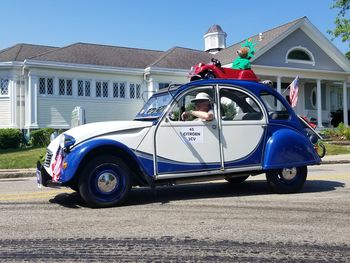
{"x": 10, "y": 138}
{"x": 341, "y": 132}
{"x": 41, "y": 137}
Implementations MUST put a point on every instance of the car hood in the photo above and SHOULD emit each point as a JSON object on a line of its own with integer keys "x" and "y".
{"x": 98, "y": 129}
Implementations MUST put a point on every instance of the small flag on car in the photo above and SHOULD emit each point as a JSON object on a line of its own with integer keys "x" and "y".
{"x": 293, "y": 92}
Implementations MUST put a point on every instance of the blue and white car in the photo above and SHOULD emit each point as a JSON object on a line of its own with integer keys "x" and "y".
{"x": 254, "y": 131}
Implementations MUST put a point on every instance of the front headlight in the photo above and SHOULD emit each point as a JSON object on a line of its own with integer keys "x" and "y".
{"x": 66, "y": 141}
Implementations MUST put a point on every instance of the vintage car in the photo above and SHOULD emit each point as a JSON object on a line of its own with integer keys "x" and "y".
{"x": 254, "y": 131}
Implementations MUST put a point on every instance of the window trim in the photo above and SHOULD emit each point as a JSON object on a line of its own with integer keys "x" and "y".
{"x": 303, "y": 49}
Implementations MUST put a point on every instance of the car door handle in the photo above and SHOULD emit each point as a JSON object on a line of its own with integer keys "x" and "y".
{"x": 214, "y": 126}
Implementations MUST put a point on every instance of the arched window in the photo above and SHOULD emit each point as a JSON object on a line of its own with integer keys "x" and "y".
{"x": 300, "y": 55}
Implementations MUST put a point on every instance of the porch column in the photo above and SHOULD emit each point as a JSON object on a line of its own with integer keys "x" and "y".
{"x": 33, "y": 99}
{"x": 319, "y": 105}
{"x": 13, "y": 99}
{"x": 279, "y": 90}
{"x": 345, "y": 103}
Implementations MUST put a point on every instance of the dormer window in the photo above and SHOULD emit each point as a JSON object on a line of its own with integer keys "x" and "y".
{"x": 300, "y": 55}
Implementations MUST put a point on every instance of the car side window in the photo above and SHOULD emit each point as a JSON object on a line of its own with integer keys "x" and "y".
{"x": 237, "y": 106}
{"x": 188, "y": 103}
{"x": 275, "y": 107}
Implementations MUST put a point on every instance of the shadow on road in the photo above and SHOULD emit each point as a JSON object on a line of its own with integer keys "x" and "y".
{"x": 141, "y": 196}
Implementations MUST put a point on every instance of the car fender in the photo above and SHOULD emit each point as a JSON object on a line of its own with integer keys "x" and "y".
{"x": 76, "y": 156}
{"x": 280, "y": 152}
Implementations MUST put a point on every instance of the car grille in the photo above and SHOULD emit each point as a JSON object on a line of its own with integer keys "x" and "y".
{"x": 48, "y": 158}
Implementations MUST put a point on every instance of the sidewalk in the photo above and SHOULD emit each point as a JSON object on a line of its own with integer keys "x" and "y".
{"x": 30, "y": 172}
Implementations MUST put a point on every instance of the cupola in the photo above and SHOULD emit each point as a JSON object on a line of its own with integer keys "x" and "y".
{"x": 214, "y": 39}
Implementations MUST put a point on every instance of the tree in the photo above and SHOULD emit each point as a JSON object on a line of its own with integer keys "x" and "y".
{"x": 342, "y": 24}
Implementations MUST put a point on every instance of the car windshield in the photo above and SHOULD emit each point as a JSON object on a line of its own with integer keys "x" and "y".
{"x": 155, "y": 106}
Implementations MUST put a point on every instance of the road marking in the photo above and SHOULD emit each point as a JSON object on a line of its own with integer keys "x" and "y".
{"x": 32, "y": 195}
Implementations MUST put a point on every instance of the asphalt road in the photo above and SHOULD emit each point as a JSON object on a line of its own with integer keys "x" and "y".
{"x": 203, "y": 222}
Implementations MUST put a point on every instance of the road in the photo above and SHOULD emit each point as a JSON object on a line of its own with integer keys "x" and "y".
{"x": 203, "y": 222}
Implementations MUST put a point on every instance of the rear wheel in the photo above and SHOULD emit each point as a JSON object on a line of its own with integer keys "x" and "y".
{"x": 287, "y": 180}
{"x": 209, "y": 75}
{"x": 105, "y": 182}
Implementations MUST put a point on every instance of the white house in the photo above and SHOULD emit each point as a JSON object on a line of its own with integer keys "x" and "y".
{"x": 40, "y": 85}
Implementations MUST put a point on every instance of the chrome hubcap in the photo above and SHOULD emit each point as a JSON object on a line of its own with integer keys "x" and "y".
{"x": 289, "y": 173}
{"x": 107, "y": 182}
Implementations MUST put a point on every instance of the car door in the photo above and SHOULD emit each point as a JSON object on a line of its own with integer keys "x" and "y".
{"x": 243, "y": 127}
{"x": 190, "y": 146}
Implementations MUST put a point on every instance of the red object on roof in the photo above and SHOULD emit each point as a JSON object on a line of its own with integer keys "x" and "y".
{"x": 214, "y": 70}
{"x": 242, "y": 74}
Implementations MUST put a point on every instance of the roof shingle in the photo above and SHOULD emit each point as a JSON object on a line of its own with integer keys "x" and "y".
{"x": 20, "y": 52}
{"x": 102, "y": 55}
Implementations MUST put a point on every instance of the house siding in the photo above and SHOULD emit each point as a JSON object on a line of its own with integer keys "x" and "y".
{"x": 57, "y": 112}
{"x": 5, "y": 117}
{"x": 277, "y": 54}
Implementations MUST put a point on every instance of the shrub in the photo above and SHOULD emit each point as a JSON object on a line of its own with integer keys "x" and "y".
{"x": 10, "y": 138}
{"x": 341, "y": 132}
{"x": 41, "y": 137}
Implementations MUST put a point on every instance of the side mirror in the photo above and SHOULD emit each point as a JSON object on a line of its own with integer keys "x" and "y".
{"x": 172, "y": 116}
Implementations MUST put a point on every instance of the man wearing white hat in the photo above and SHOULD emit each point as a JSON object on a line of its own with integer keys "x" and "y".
{"x": 203, "y": 110}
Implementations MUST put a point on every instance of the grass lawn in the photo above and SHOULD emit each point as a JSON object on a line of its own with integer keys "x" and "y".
{"x": 332, "y": 149}
{"x": 27, "y": 158}
{"x": 20, "y": 158}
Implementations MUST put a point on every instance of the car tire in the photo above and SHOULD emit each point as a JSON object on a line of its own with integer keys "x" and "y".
{"x": 105, "y": 182}
{"x": 209, "y": 75}
{"x": 287, "y": 180}
{"x": 236, "y": 180}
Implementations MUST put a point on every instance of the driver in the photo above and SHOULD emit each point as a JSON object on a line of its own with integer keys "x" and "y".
{"x": 203, "y": 110}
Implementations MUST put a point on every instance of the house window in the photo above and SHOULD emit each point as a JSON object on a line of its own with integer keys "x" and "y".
{"x": 105, "y": 89}
{"x": 87, "y": 88}
{"x": 49, "y": 84}
{"x": 138, "y": 91}
{"x": 132, "y": 90}
{"x": 115, "y": 89}
{"x": 98, "y": 89}
{"x": 80, "y": 88}
{"x": 122, "y": 90}
{"x": 83, "y": 88}
{"x": 69, "y": 84}
{"x": 300, "y": 55}
{"x": 4, "y": 87}
{"x": 65, "y": 87}
{"x": 46, "y": 86}
{"x": 42, "y": 86}
{"x": 118, "y": 89}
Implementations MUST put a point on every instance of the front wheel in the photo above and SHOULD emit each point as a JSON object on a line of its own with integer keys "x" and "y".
{"x": 104, "y": 182}
{"x": 287, "y": 180}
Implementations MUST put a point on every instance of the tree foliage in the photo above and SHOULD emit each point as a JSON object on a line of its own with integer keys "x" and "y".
{"x": 342, "y": 23}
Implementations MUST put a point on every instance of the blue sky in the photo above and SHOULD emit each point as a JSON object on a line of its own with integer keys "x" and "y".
{"x": 151, "y": 24}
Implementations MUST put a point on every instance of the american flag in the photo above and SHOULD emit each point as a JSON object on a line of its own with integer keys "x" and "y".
{"x": 293, "y": 91}
{"x": 56, "y": 167}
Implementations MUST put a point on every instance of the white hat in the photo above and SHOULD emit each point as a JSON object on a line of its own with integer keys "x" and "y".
{"x": 201, "y": 96}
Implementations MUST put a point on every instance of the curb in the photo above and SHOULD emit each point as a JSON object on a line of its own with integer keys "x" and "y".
{"x": 17, "y": 173}
{"x": 31, "y": 172}
{"x": 335, "y": 162}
